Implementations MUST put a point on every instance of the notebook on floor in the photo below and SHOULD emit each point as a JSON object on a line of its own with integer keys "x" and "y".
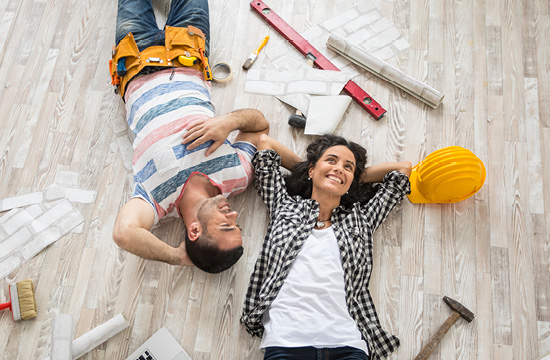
{"x": 160, "y": 346}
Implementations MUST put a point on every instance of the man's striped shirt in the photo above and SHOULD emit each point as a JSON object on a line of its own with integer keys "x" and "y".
{"x": 159, "y": 111}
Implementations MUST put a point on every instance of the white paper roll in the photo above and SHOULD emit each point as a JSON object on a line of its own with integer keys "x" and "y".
{"x": 98, "y": 335}
{"x": 380, "y": 68}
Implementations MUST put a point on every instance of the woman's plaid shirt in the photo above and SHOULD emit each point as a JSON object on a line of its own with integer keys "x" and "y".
{"x": 291, "y": 222}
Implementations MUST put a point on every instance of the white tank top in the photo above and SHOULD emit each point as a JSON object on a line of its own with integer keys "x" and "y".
{"x": 310, "y": 309}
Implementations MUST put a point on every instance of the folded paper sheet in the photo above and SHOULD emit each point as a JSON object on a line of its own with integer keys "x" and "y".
{"x": 380, "y": 68}
{"x": 325, "y": 113}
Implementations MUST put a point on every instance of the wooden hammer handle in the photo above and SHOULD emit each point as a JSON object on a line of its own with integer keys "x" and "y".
{"x": 430, "y": 346}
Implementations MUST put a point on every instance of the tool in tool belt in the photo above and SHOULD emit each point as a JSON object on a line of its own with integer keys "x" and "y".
{"x": 184, "y": 47}
{"x": 352, "y": 89}
{"x": 187, "y": 60}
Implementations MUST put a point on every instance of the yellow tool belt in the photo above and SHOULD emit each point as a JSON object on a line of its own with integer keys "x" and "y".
{"x": 187, "y": 42}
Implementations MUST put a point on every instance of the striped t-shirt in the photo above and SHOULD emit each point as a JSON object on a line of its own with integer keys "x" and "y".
{"x": 159, "y": 110}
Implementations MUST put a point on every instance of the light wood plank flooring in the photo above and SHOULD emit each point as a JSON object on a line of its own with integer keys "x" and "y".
{"x": 491, "y": 252}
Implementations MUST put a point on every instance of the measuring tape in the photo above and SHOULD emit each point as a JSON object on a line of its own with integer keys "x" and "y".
{"x": 352, "y": 89}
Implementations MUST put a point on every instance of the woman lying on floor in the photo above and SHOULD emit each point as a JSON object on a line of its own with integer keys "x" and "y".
{"x": 308, "y": 296}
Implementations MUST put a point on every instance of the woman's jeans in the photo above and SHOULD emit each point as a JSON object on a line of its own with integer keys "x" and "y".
{"x": 138, "y": 17}
{"x": 311, "y": 353}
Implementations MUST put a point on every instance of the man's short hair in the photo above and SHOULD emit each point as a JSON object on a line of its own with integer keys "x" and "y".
{"x": 207, "y": 256}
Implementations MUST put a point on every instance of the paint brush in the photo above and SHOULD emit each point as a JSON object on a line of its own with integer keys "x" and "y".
{"x": 22, "y": 302}
{"x": 248, "y": 63}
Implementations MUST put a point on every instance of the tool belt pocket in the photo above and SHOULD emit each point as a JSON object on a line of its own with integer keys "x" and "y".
{"x": 188, "y": 42}
{"x": 190, "y": 38}
{"x": 183, "y": 47}
{"x": 125, "y": 57}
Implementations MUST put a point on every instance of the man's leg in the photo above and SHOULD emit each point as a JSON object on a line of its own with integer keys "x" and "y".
{"x": 138, "y": 17}
{"x": 191, "y": 12}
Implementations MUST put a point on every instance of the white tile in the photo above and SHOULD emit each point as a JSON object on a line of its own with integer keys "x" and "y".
{"x": 390, "y": 35}
{"x": 347, "y": 67}
{"x": 358, "y": 37}
{"x": 79, "y": 229}
{"x": 67, "y": 178}
{"x": 7, "y": 216}
{"x": 264, "y": 87}
{"x": 362, "y": 21}
{"x": 53, "y": 192}
{"x": 308, "y": 87}
{"x": 401, "y": 44}
{"x": 62, "y": 337}
{"x": 14, "y": 242}
{"x": 327, "y": 76}
{"x": 378, "y": 42}
{"x": 340, "y": 19}
{"x": 51, "y": 216}
{"x": 80, "y": 195}
{"x": 384, "y": 53}
{"x": 282, "y": 76}
{"x": 34, "y": 211}
{"x": 17, "y": 221}
{"x": 313, "y": 32}
{"x": 39, "y": 242}
{"x": 70, "y": 221}
{"x": 50, "y": 204}
{"x": 368, "y": 6}
{"x": 381, "y": 25}
{"x": 21, "y": 200}
{"x": 8, "y": 265}
{"x": 319, "y": 42}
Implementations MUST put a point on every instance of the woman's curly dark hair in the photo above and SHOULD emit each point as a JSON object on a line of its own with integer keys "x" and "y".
{"x": 297, "y": 182}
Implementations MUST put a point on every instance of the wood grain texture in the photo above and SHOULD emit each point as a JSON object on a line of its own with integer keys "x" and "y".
{"x": 490, "y": 252}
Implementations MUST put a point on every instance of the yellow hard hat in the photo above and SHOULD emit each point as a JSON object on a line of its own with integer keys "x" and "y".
{"x": 447, "y": 175}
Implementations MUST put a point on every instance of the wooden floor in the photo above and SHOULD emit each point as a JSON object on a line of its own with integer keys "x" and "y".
{"x": 491, "y": 252}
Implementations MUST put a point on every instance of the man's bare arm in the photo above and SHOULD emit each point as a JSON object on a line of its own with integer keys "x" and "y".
{"x": 132, "y": 233}
{"x": 251, "y": 124}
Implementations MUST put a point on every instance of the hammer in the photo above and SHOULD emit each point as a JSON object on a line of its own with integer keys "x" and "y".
{"x": 459, "y": 310}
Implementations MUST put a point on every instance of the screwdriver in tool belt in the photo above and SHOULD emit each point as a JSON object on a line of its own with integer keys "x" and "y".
{"x": 248, "y": 63}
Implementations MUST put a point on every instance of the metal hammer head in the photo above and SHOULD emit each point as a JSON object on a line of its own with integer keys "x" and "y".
{"x": 459, "y": 308}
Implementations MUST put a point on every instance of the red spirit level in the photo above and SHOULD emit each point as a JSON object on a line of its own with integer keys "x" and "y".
{"x": 351, "y": 88}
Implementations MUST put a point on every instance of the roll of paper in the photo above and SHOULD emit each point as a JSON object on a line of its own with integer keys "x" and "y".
{"x": 380, "y": 68}
{"x": 98, "y": 335}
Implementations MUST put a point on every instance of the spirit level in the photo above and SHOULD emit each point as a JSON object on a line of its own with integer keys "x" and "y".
{"x": 352, "y": 89}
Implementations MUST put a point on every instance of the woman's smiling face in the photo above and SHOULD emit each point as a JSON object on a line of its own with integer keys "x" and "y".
{"x": 333, "y": 173}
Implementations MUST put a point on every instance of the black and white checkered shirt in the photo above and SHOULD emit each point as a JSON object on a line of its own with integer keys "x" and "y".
{"x": 291, "y": 222}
